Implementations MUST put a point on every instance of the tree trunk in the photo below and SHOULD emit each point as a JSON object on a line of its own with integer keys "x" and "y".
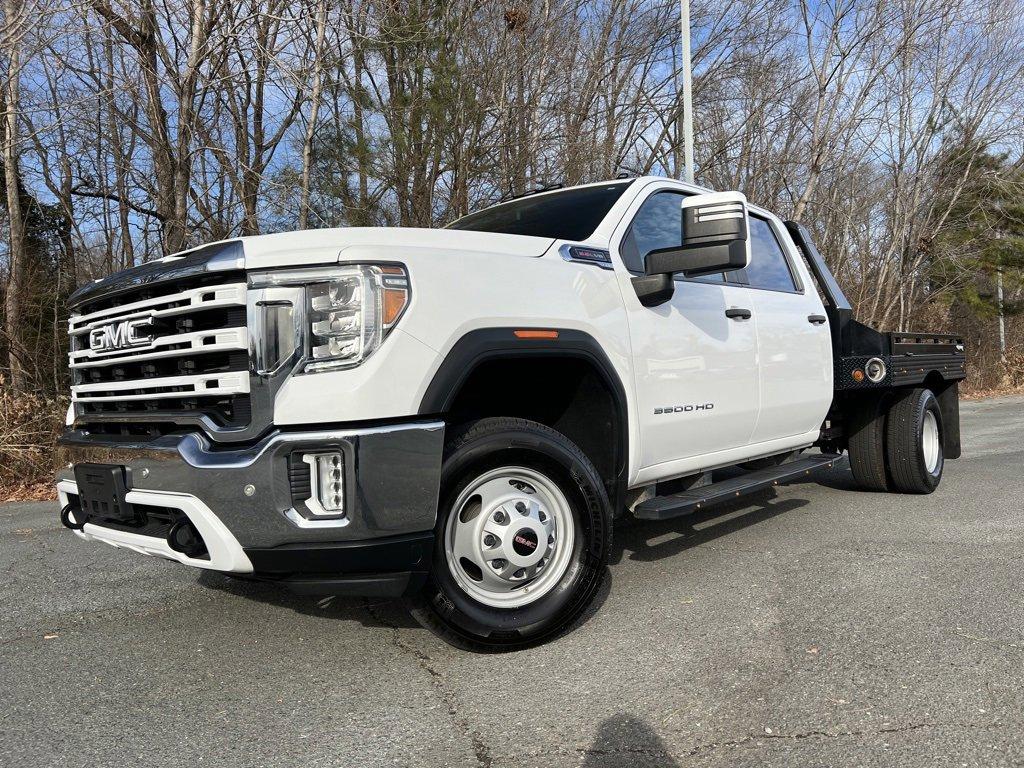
{"x": 16, "y": 277}
{"x": 314, "y": 111}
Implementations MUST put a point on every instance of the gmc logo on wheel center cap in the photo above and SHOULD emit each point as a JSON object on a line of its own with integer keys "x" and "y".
{"x": 524, "y": 542}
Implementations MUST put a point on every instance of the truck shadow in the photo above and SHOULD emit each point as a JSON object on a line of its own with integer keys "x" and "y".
{"x": 373, "y": 613}
{"x": 636, "y": 540}
{"x": 370, "y": 612}
{"x": 649, "y": 540}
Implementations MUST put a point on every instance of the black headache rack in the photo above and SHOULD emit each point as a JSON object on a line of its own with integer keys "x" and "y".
{"x": 906, "y": 358}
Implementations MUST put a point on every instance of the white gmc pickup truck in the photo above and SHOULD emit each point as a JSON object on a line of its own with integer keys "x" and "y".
{"x": 457, "y": 415}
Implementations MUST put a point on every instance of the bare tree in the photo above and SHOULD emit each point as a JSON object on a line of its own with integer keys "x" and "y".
{"x": 135, "y": 128}
{"x": 16, "y": 27}
{"x": 316, "y": 91}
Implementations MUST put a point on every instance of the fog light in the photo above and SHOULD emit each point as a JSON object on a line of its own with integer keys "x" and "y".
{"x": 327, "y": 476}
{"x": 875, "y": 369}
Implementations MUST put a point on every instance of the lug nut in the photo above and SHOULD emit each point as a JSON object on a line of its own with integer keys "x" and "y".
{"x": 542, "y": 515}
{"x": 499, "y": 517}
{"x": 519, "y": 574}
{"x": 490, "y": 540}
{"x": 521, "y": 508}
{"x": 498, "y": 564}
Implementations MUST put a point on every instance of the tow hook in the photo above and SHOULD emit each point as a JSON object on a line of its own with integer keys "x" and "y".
{"x": 69, "y": 520}
{"x": 183, "y": 537}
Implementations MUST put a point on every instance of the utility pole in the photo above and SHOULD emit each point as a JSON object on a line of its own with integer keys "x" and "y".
{"x": 999, "y": 235}
{"x": 684, "y": 23}
{"x": 1002, "y": 316}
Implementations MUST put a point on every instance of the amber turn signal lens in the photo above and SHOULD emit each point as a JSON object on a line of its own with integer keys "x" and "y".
{"x": 858, "y": 375}
{"x": 530, "y": 334}
{"x": 394, "y": 303}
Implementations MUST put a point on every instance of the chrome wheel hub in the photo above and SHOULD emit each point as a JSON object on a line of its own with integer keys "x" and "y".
{"x": 509, "y": 538}
{"x": 930, "y": 442}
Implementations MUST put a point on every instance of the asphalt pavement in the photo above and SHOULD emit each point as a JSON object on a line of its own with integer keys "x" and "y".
{"x": 815, "y": 625}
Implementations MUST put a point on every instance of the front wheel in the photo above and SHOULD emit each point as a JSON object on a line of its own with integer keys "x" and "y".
{"x": 522, "y": 538}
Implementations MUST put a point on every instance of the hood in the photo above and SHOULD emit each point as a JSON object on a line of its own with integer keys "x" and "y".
{"x": 318, "y": 246}
{"x": 311, "y": 246}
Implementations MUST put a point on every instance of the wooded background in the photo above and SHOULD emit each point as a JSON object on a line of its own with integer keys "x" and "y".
{"x": 134, "y": 128}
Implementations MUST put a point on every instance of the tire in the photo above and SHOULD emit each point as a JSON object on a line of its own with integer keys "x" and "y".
{"x": 914, "y": 442}
{"x": 500, "y": 473}
{"x": 867, "y": 445}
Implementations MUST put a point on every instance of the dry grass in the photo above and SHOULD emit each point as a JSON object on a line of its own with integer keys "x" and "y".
{"x": 29, "y": 428}
{"x": 1010, "y": 379}
{"x": 981, "y": 394}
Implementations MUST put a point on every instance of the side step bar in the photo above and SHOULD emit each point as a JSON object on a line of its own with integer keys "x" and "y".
{"x": 665, "y": 507}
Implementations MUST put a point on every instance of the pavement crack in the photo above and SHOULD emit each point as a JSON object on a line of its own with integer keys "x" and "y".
{"x": 441, "y": 689}
{"x": 746, "y": 741}
{"x": 840, "y": 734}
{"x": 990, "y": 641}
{"x": 624, "y": 750}
{"x": 820, "y": 734}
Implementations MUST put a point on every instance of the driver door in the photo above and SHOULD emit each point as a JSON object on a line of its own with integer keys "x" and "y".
{"x": 695, "y": 368}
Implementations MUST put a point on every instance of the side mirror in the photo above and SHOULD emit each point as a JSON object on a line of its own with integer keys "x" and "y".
{"x": 714, "y": 238}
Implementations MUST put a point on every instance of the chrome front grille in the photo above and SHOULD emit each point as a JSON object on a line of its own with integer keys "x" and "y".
{"x": 159, "y": 351}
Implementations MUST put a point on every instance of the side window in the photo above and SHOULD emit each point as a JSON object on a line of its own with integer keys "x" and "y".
{"x": 657, "y": 224}
{"x": 768, "y": 267}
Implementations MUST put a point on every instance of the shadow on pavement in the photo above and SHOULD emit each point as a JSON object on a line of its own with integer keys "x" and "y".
{"x": 370, "y": 612}
{"x": 627, "y": 740}
{"x": 642, "y": 539}
{"x": 636, "y": 536}
{"x": 839, "y": 479}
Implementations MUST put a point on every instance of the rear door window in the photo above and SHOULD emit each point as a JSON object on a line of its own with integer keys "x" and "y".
{"x": 769, "y": 268}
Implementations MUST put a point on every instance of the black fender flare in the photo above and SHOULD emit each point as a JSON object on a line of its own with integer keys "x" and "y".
{"x": 486, "y": 344}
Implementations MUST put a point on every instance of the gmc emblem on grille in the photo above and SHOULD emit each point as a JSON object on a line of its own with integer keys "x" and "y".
{"x": 113, "y": 336}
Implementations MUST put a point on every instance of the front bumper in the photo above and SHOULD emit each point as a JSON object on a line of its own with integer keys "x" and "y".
{"x": 241, "y": 502}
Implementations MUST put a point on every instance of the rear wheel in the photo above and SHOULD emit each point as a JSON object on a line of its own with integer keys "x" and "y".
{"x": 522, "y": 537}
{"x": 914, "y": 442}
{"x": 867, "y": 444}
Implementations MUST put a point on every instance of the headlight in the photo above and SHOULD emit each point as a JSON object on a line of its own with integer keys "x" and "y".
{"x": 349, "y": 310}
{"x": 352, "y": 313}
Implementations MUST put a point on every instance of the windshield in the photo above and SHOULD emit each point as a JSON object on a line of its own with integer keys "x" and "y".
{"x": 570, "y": 215}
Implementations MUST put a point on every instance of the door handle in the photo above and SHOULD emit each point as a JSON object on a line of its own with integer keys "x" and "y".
{"x": 737, "y": 313}
{"x": 817, "y": 319}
